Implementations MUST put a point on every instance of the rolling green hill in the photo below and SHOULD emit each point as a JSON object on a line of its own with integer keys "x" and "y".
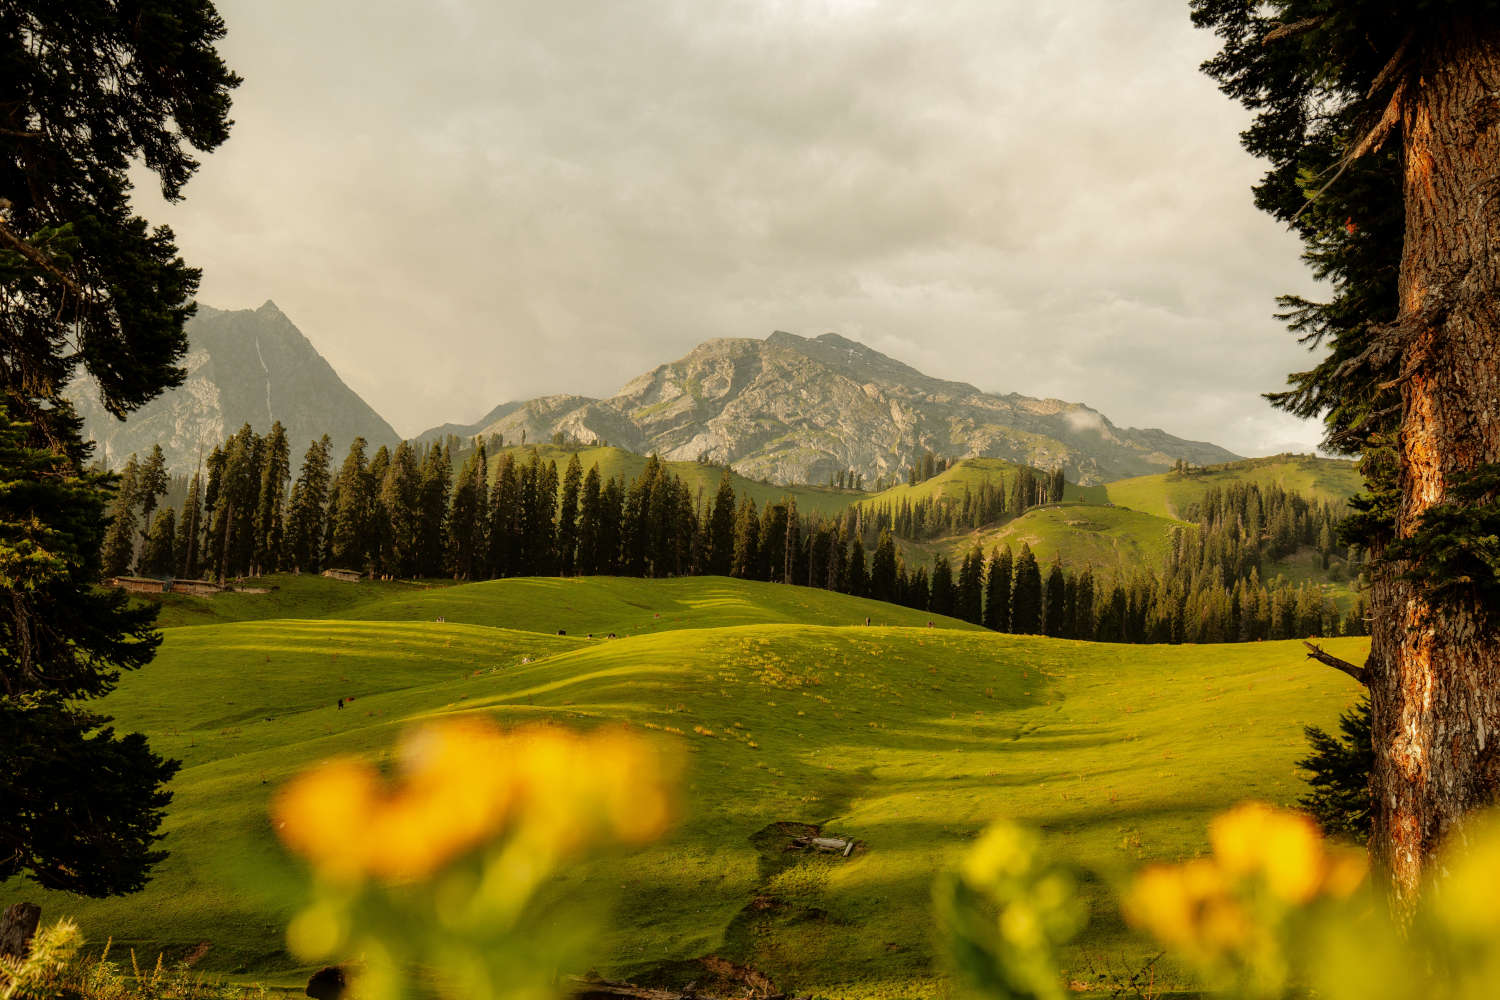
{"x": 1113, "y": 540}
{"x": 969, "y": 473}
{"x": 909, "y": 739}
{"x": 1169, "y": 494}
{"x": 614, "y": 461}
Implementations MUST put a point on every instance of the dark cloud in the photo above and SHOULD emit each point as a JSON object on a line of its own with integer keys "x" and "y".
{"x": 466, "y": 202}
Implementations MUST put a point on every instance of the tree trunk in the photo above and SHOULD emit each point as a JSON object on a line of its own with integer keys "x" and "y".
{"x": 1435, "y": 670}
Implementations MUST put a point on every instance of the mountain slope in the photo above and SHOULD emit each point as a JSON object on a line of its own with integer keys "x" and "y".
{"x": 244, "y": 366}
{"x": 794, "y": 410}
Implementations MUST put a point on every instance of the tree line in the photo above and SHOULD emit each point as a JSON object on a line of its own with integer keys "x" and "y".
{"x": 930, "y": 517}
{"x": 407, "y": 512}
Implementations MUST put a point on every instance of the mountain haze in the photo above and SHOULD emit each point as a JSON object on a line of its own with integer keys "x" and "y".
{"x": 792, "y": 409}
{"x": 243, "y": 366}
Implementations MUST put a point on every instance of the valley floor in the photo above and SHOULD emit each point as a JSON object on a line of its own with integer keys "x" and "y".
{"x": 907, "y": 736}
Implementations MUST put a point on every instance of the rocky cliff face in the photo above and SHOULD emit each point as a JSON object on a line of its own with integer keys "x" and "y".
{"x": 792, "y": 409}
{"x": 244, "y": 366}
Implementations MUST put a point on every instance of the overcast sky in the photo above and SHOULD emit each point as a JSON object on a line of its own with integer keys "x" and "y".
{"x": 465, "y": 202}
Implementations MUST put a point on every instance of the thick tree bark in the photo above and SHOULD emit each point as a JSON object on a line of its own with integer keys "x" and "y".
{"x": 1435, "y": 670}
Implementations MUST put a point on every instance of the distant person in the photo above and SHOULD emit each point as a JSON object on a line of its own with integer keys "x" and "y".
{"x": 341, "y": 704}
{"x": 867, "y": 621}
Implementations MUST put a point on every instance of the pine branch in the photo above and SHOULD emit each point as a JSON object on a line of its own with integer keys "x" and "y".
{"x": 1328, "y": 659}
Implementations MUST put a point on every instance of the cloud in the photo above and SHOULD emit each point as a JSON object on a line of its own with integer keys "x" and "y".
{"x": 468, "y": 202}
{"x": 1085, "y": 420}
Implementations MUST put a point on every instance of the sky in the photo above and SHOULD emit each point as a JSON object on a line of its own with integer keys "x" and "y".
{"x": 462, "y": 203}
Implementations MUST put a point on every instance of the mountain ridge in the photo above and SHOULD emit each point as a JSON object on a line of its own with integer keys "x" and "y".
{"x": 794, "y": 409}
{"x": 243, "y": 366}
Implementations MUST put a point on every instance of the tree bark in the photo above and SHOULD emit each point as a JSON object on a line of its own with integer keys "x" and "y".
{"x": 1435, "y": 670}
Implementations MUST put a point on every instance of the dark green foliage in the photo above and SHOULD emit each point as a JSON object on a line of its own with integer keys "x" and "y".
{"x": 159, "y": 556}
{"x": 1026, "y": 594}
{"x": 746, "y": 541}
{"x": 432, "y": 505}
{"x": 1338, "y": 769}
{"x": 721, "y": 529}
{"x": 856, "y": 578}
{"x": 270, "y": 502}
{"x": 399, "y": 510}
{"x": 82, "y": 805}
{"x": 305, "y": 517}
{"x": 567, "y": 518}
{"x": 119, "y": 538}
{"x": 1454, "y": 553}
{"x": 188, "y": 530}
{"x": 590, "y": 513}
{"x": 1056, "y": 621}
{"x": 883, "y": 569}
{"x": 93, "y": 87}
{"x": 151, "y": 483}
{"x": 942, "y": 595}
{"x": 467, "y": 522}
{"x": 970, "y": 596}
{"x": 997, "y": 591}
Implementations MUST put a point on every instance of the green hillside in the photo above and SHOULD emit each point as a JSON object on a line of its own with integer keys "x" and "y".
{"x": 909, "y": 739}
{"x": 614, "y": 461}
{"x": 1170, "y": 494}
{"x": 1110, "y": 539}
{"x": 578, "y": 605}
{"x": 970, "y": 473}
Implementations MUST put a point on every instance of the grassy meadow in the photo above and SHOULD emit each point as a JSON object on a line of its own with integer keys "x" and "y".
{"x": 785, "y": 707}
{"x": 1170, "y": 494}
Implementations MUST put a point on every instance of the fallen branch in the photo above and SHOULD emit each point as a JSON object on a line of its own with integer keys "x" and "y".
{"x": 1328, "y": 659}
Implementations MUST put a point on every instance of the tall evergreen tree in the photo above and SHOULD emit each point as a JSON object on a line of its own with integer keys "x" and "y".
{"x": 1026, "y": 594}
{"x": 304, "y": 531}
{"x": 1055, "y": 618}
{"x": 883, "y": 569}
{"x": 746, "y": 541}
{"x": 969, "y": 603}
{"x": 270, "y": 506}
{"x": 352, "y": 513}
{"x": 151, "y": 484}
{"x": 856, "y": 575}
{"x": 159, "y": 556}
{"x": 432, "y": 503}
{"x": 567, "y": 518}
{"x": 997, "y": 590}
{"x": 466, "y": 518}
{"x": 188, "y": 530}
{"x": 942, "y": 595}
{"x": 400, "y": 502}
{"x": 590, "y": 512}
{"x": 721, "y": 529}
{"x": 92, "y": 92}
{"x": 119, "y": 538}
{"x": 1367, "y": 113}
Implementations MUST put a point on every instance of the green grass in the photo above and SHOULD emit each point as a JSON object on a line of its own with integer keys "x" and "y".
{"x": 970, "y": 473}
{"x": 601, "y": 604}
{"x": 1170, "y": 494}
{"x": 910, "y": 739}
{"x": 614, "y": 461}
{"x": 1112, "y": 540}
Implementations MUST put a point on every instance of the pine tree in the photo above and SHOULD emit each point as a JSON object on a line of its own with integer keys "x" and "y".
{"x": 590, "y": 513}
{"x": 1026, "y": 594}
{"x": 942, "y": 596}
{"x": 746, "y": 541}
{"x": 1339, "y": 770}
{"x": 352, "y": 512}
{"x": 400, "y": 503}
{"x": 856, "y": 576}
{"x": 93, "y": 93}
{"x": 969, "y": 604}
{"x": 119, "y": 538}
{"x": 567, "y": 518}
{"x": 270, "y": 512}
{"x": 1054, "y": 602}
{"x": 883, "y": 569}
{"x": 1376, "y": 105}
{"x": 432, "y": 506}
{"x": 304, "y": 530}
{"x": 159, "y": 556}
{"x": 151, "y": 484}
{"x": 188, "y": 530}
{"x": 721, "y": 532}
{"x": 466, "y": 518}
{"x": 997, "y": 591}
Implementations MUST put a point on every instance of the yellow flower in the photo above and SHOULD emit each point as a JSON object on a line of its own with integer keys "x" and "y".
{"x": 464, "y": 782}
{"x": 1188, "y": 906}
{"x": 1287, "y": 850}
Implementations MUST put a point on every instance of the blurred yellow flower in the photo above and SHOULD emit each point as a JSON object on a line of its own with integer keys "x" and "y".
{"x": 464, "y": 782}
{"x": 1287, "y": 850}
